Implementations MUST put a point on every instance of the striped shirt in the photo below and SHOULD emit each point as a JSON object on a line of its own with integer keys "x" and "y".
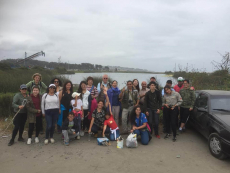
{"x": 94, "y": 91}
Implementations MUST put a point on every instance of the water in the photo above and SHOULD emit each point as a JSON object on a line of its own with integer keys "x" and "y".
{"x": 121, "y": 78}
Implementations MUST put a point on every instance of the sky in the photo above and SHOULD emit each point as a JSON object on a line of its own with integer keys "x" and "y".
{"x": 153, "y": 35}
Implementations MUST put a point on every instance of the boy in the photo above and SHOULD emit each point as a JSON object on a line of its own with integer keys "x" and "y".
{"x": 109, "y": 121}
{"x": 70, "y": 127}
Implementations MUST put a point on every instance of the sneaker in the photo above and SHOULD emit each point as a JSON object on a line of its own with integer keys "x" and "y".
{"x": 52, "y": 140}
{"x": 36, "y": 140}
{"x": 158, "y": 136}
{"x": 78, "y": 137}
{"x": 11, "y": 142}
{"x": 166, "y": 136}
{"x": 46, "y": 141}
{"x": 174, "y": 139}
{"x": 82, "y": 133}
{"x": 29, "y": 141}
{"x": 21, "y": 139}
{"x": 66, "y": 143}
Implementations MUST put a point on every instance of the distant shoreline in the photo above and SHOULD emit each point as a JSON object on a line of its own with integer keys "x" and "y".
{"x": 119, "y": 72}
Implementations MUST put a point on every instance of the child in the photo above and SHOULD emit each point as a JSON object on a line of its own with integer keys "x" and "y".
{"x": 114, "y": 130}
{"x": 77, "y": 109}
{"x": 70, "y": 127}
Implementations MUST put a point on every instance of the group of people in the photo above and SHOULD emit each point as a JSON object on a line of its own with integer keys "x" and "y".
{"x": 98, "y": 108}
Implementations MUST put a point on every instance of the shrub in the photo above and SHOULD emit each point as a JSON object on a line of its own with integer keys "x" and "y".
{"x": 6, "y": 104}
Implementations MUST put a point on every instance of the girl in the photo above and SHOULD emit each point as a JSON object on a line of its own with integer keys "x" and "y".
{"x": 110, "y": 122}
{"x": 50, "y": 109}
{"x": 34, "y": 114}
{"x": 139, "y": 121}
{"x": 20, "y": 119}
{"x": 136, "y": 86}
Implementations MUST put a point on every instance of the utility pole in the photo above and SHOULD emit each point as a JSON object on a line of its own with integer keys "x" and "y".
{"x": 25, "y": 59}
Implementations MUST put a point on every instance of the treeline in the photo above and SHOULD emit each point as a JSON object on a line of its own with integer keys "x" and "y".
{"x": 218, "y": 80}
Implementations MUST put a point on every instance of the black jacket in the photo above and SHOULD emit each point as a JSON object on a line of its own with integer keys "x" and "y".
{"x": 153, "y": 100}
{"x": 75, "y": 126}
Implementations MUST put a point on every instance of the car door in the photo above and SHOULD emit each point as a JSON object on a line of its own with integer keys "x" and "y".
{"x": 201, "y": 113}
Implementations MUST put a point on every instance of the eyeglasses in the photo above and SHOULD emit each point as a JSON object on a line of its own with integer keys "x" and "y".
{"x": 24, "y": 88}
{"x": 56, "y": 81}
{"x": 105, "y": 78}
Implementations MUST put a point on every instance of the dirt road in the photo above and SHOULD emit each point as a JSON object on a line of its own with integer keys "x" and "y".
{"x": 83, "y": 156}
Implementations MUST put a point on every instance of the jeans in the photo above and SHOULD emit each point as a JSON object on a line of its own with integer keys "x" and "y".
{"x": 125, "y": 119}
{"x": 153, "y": 120}
{"x": 19, "y": 124}
{"x": 171, "y": 118}
{"x": 38, "y": 127}
{"x": 51, "y": 116}
{"x": 144, "y": 136}
{"x": 67, "y": 134}
{"x": 112, "y": 135}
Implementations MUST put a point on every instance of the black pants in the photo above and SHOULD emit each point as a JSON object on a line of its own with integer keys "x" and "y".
{"x": 95, "y": 129}
{"x": 184, "y": 114}
{"x": 86, "y": 121}
{"x": 38, "y": 127}
{"x": 153, "y": 120}
{"x": 171, "y": 118}
{"x": 65, "y": 115}
{"x": 19, "y": 124}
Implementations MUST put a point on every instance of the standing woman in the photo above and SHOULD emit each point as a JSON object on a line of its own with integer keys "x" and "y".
{"x": 20, "y": 119}
{"x": 65, "y": 97}
{"x": 113, "y": 94}
{"x": 50, "y": 109}
{"x": 34, "y": 114}
{"x": 136, "y": 86}
{"x": 58, "y": 83}
{"x": 139, "y": 125}
{"x": 94, "y": 93}
{"x": 86, "y": 102}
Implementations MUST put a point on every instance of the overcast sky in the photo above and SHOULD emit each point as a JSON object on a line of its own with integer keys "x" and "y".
{"x": 147, "y": 34}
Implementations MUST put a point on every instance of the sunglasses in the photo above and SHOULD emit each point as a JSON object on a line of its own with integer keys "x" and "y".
{"x": 105, "y": 78}
{"x": 52, "y": 88}
{"x": 24, "y": 88}
{"x": 56, "y": 81}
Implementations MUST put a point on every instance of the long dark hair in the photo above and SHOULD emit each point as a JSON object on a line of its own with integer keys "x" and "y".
{"x": 64, "y": 87}
{"x": 59, "y": 81}
{"x": 133, "y": 115}
{"x": 137, "y": 87}
{"x": 80, "y": 89}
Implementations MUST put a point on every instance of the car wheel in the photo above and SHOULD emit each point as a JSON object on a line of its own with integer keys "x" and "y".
{"x": 215, "y": 146}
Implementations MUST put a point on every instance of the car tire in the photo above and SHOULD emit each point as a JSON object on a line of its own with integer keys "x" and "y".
{"x": 215, "y": 147}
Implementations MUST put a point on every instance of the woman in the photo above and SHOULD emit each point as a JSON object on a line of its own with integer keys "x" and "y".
{"x": 86, "y": 102}
{"x": 65, "y": 97}
{"x": 171, "y": 101}
{"x": 50, "y": 109}
{"x": 98, "y": 116}
{"x": 37, "y": 81}
{"x": 58, "y": 83}
{"x": 19, "y": 121}
{"x": 139, "y": 125}
{"x": 136, "y": 86}
{"x": 34, "y": 114}
{"x": 113, "y": 94}
{"x": 94, "y": 93}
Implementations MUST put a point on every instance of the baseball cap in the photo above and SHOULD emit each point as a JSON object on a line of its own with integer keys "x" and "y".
{"x": 75, "y": 94}
{"x": 23, "y": 86}
{"x": 180, "y": 79}
{"x": 52, "y": 85}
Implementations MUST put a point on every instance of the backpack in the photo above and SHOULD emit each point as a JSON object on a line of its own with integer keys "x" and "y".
{"x": 30, "y": 88}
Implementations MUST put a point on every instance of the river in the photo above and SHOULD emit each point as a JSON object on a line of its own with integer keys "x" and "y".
{"x": 122, "y": 77}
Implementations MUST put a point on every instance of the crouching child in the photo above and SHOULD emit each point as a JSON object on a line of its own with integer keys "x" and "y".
{"x": 110, "y": 122}
{"x": 70, "y": 128}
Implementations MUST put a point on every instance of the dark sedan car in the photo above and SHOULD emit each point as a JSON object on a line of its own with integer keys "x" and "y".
{"x": 211, "y": 117}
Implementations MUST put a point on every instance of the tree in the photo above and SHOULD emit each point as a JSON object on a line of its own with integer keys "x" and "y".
{"x": 224, "y": 64}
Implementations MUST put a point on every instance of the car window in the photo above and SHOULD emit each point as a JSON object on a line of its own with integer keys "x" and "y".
{"x": 202, "y": 101}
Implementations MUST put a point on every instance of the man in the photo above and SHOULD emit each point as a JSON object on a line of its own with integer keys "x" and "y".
{"x": 180, "y": 85}
{"x": 189, "y": 97}
{"x": 152, "y": 104}
{"x": 130, "y": 98}
{"x": 153, "y": 79}
{"x": 169, "y": 83}
{"x": 101, "y": 85}
{"x": 142, "y": 93}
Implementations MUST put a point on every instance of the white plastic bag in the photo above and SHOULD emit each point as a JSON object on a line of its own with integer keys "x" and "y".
{"x": 131, "y": 141}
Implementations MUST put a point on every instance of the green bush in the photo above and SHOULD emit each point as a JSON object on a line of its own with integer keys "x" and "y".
{"x": 6, "y": 104}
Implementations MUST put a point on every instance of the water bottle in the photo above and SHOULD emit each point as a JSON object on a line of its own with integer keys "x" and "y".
{"x": 89, "y": 136}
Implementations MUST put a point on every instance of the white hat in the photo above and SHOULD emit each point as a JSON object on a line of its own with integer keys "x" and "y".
{"x": 75, "y": 94}
{"x": 52, "y": 85}
{"x": 180, "y": 79}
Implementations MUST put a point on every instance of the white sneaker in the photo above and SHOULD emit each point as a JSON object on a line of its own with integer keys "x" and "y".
{"x": 52, "y": 140}
{"x": 36, "y": 140}
{"x": 82, "y": 133}
{"x": 46, "y": 141}
{"x": 29, "y": 141}
{"x": 78, "y": 137}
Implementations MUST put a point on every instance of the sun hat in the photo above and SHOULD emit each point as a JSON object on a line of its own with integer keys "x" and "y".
{"x": 180, "y": 79}
{"x": 37, "y": 74}
{"x": 75, "y": 94}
